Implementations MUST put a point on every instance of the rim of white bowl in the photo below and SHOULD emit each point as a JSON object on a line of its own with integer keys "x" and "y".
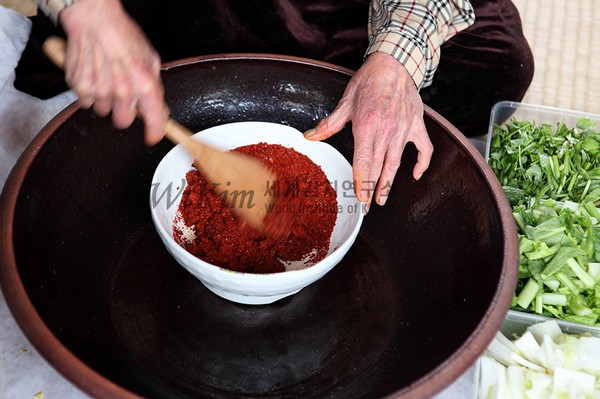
{"x": 255, "y": 276}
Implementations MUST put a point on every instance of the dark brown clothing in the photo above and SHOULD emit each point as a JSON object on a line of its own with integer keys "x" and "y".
{"x": 488, "y": 62}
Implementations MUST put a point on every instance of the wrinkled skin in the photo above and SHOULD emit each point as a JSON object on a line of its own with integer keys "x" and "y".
{"x": 386, "y": 111}
{"x": 112, "y": 67}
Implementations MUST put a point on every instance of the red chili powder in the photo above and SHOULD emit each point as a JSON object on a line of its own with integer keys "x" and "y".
{"x": 221, "y": 238}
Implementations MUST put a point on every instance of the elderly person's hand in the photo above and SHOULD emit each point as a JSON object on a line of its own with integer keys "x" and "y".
{"x": 112, "y": 67}
{"x": 386, "y": 111}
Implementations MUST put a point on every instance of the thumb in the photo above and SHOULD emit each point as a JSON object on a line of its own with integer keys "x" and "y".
{"x": 329, "y": 125}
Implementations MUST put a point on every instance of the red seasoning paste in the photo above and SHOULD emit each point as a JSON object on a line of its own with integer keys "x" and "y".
{"x": 206, "y": 227}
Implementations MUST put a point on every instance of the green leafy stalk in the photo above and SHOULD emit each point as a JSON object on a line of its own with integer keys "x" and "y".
{"x": 559, "y": 269}
{"x": 562, "y": 163}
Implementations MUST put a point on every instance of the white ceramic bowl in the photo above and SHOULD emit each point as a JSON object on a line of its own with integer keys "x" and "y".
{"x": 250, "y": 288}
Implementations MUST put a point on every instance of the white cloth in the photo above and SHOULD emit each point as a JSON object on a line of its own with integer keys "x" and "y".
{"x": 22, "y": 115}
{"x": 23, "y": 372}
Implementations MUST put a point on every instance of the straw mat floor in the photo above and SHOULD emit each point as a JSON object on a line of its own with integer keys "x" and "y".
{"x": 565, "y": 38}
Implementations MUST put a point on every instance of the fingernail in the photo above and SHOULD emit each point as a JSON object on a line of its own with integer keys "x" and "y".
{"x": 359, "y": 195}
{"x": 419, "y": 176}
{"x": 310, "y": 133}
{"x": 382, "y": 200}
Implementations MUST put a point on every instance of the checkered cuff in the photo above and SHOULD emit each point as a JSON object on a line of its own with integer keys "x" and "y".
{"x": 409, "y": 55}
{"x": 52, "y": 8}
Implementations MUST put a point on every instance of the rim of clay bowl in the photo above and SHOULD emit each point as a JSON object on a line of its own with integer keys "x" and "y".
{"x": 93, "y": 383}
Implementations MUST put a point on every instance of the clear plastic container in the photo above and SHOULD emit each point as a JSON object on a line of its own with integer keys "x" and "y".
{"x": 503, "y": 111}
{"x": 516, "y": 323}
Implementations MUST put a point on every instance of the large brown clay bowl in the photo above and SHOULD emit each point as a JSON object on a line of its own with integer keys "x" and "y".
{"x": 413, "y": 304}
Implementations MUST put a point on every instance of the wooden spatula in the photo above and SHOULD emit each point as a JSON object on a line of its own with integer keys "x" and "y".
{"x": 233, "y": 175}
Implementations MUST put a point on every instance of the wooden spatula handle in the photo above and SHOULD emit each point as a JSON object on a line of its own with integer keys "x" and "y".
{"x": 55, "y": 48}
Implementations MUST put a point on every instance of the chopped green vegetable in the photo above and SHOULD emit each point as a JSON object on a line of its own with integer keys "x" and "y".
{"x": 559, "y": 270}
{"x": 560, "y": 163}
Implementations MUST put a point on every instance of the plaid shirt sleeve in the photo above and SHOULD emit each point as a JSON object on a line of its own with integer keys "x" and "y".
{"x": 52, "y": 8}
{"x": 413, "y": 31}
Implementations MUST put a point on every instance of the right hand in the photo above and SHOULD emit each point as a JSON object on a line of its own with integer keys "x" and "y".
{"x": 386, "y": 111}
{"x": 112, "y": 66}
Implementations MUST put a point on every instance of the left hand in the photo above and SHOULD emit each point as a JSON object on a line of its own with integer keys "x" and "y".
{"x": 386, "y": 111}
